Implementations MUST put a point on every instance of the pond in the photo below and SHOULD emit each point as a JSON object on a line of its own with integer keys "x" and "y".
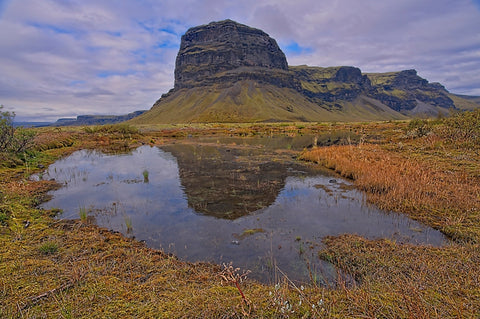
{"x": 223, "y": 202}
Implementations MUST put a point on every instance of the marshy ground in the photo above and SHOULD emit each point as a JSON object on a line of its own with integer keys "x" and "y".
{"x": 429, "y": 170}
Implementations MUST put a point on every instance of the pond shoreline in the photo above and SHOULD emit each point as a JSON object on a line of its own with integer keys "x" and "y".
{"x": 79, "y": 270}
{"x": 193, "y": 197}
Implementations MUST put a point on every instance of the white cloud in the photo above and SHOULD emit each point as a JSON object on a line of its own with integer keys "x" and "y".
{"x": 66, "y": 58}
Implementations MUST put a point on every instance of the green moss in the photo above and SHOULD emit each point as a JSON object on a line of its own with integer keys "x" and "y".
{"x": 253, "y": 231}
{"x": 48, "y": 248}
{"x": 121, "y": 128}
{"x": 4, "y": 216}
{"x": 314, "y": 73}
{"x": 381, "y": 79}
{"x": 397, "y": 93}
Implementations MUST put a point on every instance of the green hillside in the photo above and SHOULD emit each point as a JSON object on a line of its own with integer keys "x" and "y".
{"x": 465, "y": 102}
{"x": 248, "y": 101}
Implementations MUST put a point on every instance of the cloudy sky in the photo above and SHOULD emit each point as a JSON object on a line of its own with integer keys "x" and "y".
{"x": 63, "y": 58}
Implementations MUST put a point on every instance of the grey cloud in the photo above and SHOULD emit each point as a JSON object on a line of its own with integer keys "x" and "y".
{"x": 93, "y": 92}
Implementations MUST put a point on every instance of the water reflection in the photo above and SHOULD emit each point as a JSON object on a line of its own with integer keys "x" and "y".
{"x": 223, "y": 204}
{"x": 230, "y": 182}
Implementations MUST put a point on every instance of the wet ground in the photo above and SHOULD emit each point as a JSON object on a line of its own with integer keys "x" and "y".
{"x": 246, "y": 201}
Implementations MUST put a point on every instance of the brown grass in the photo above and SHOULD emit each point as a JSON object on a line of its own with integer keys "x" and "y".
{"x": 406, "y": 281}
{"x": 434, "y": 178}
{"x": 403, "y": 181}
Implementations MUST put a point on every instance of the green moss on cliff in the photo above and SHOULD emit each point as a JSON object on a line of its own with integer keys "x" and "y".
{"x": 382, "y": 79}
{"x": 314, "y": 73}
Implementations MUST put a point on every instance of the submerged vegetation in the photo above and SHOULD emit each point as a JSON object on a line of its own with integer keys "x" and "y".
{"x": 145, "y": 176}
{"x": 72, "y": 269}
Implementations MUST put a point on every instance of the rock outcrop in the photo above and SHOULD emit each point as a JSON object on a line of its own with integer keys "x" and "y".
{"x": 332, "y": 84}
{"x": 402, "y": 91}
{"x": 225, "y": 52}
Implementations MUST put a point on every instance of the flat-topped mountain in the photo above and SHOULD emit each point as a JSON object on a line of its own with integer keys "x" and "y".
{"x": 226, "y": 51}
{"x": 228, "y": 72}
{"x": 96, "y": 119}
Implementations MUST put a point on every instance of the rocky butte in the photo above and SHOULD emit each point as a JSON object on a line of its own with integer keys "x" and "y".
{"x": 228, "y": 72}
{"x": 227, "y": 52}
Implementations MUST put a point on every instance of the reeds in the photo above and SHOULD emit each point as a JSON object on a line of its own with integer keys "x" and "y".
{"x": 83, "y": 213}
{"x": 400, "y": 181}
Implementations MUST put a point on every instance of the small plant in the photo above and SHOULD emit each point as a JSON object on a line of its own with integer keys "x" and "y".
{"x": 82, "y": 212}
{"x": 232, "y": 275}
{"x": 3, "y": 218}
{"x": 128, "y": 223}
{"x": 48, "y": 248}
{"x": 301, "y": 249}
{"x": 145, "y": 176}
{"x": 419, "y": 128}
{"x": 250, "y": 232}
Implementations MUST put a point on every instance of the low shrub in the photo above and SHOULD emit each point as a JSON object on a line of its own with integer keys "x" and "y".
{"x": 13, "y": 141}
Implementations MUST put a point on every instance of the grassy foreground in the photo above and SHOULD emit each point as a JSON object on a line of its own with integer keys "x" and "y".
{"x": 427, "y": 169}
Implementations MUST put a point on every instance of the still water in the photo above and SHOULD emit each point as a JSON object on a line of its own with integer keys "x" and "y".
{"x": 255, "y": 207}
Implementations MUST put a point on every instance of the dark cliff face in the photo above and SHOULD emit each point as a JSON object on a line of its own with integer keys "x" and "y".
{"x": 403, "y": 90}
{"x": 225, "y": 52}
{"x": 332, "y": 84}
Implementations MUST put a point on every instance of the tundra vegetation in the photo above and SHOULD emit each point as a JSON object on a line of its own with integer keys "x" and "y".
{"x": 428, "y": 169}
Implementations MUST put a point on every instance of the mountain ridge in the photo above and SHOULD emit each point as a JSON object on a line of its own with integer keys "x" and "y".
{"x": 96, "y": 119}
{"x": 230, "y": 72}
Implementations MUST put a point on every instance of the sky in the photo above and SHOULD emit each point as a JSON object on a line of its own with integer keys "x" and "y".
{"x": 63, "y": 58}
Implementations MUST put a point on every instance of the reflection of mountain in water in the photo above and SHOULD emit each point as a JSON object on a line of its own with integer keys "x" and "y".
{"x": 229, "y": 182}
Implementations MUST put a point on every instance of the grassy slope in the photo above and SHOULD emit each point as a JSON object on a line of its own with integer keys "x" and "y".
{"x": 368, "y": 109}
{"x": 463, "y": 102}
{"x": 249, "y": 102}
{"x": 244, "y": 102}
{"x": 380, "y": 79}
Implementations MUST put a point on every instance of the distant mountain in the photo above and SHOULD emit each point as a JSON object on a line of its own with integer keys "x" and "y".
{"x": 96, "y": 119}
{"x": 31, "y": 124}
{"x": 229, "y": 72}
{"x": 465, "y": 102}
